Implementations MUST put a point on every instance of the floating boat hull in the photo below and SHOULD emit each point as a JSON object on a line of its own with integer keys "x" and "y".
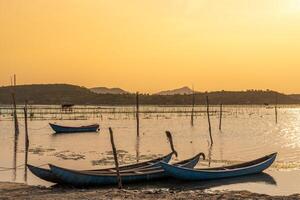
{"x": 252, "y": 167}
{"x": 80, "y": 129}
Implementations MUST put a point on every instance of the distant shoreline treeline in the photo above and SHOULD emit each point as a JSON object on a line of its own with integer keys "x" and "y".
{"x": 57, "y": 94}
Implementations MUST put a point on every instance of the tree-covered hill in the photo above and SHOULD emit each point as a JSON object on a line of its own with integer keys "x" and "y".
{"x": 71, "y": 94}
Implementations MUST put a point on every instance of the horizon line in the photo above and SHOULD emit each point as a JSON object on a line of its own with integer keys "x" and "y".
{"x": 163, "y": 90}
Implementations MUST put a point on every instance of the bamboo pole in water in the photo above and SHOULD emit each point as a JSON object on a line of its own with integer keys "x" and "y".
{"x": 209, "y": 155}
{"x": 15, "y": 79}
{"x": 276, "y": 112}
{"x": 16, "y": 138}
{"x": 137, "y": 115}
{"x": 221, "y": 113}
{"x": 208, "y": 118}
{"x": 193, "y": 108}
{"x": 26, "y": 142}
{"x": 137, "y": 146}
{"x": 15, "y": 114}
{"x": 169, "y": 136}
{"x": 115, "y": 158}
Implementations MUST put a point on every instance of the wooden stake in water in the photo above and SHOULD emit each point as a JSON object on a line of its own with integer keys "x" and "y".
{"x": 276, "y": 113}
{"x": 16, "y": 139}
{"x": 137, "y": 115}
{"x": 115, "y": 158}
{"x": 15, "y": 80}
{"x": 220, "y": 122}
{"x": 137, "y": 146}
{"x": 26, "y": 142}
{"x": 193, "y": 107}
{"x": 169, "y": 136}
{"x": 209, "y": 155}
{"x": 208, "y": 118}
{"x": 15, "y": 114}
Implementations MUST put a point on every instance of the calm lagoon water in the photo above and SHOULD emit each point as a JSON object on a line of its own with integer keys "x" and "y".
{"x": 247, "y": 133}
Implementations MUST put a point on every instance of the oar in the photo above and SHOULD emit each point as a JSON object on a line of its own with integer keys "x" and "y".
{"x": 169, "y": 136}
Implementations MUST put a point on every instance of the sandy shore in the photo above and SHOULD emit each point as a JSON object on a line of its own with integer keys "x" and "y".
{"x": 21, "y": 191}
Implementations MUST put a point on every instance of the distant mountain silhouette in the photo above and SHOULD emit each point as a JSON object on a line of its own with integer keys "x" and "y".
{"x": 183, "y": 90}
{"x": 57, "y": 94}
{"x": 295, "y": 96}
{"x": 105, "y": 90}
{"x": 47, "y": 94}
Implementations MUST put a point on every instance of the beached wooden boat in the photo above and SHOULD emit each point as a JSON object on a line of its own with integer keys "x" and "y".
{"x": 68, "y": 129}
{"x": 247, "y": 168}
{"x": 88, "y": 178}
{"x": 46, "y": 174}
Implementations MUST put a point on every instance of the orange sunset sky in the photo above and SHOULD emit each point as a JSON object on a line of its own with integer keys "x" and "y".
{"x": 152, "y": 45}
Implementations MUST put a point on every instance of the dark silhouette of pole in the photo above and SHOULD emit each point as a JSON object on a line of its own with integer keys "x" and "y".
{"x": 137, "y": 146}
{"x": 209, "y": 154}
{"x": 15, "y": 114}
{"x": 221, "y": 113}
{"x": 208, "y": 118}
{"x": 26, "y": 141}
{"x": 276, "y": 112}
{"x": 15, "y": 80}
{"x": 169, "y": 136}
{"x": 16, "y": 139}
{"x": 115, "y": 158}
{"x": 137, "y": 115}
{"x": 193, "y": 108}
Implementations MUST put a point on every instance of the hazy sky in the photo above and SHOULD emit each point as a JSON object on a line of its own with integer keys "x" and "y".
{"x": 151, "y": 45}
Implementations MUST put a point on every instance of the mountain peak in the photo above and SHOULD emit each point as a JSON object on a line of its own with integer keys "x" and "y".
{"x": 105, "y": 90}
{"x": 182, "y": 90}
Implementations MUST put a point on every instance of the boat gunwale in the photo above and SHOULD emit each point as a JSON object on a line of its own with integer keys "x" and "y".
{"x": 75, "y": 127}
{"x": 141, "y": 164}
{"x": 222, "y": 170}
{"x": 133, "y": 172}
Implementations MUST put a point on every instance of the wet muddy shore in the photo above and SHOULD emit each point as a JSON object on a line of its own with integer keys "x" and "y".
{"x": 21, "y": 191}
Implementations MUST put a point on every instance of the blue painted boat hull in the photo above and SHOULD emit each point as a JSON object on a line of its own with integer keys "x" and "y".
{"x": 86, "y": 179}
{"x": 43, "y": 173}
{"x": 47, "y": 175}
{"x": 252, "y": 167}
{"x": 80, "y": 129}
{"x": 89, "y": 180}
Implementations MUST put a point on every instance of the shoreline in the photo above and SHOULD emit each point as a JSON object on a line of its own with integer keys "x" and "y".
{"x": 18, "y": 191}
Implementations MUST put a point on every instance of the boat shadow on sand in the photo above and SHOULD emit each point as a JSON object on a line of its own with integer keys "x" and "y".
{"x": 174, "y": 184}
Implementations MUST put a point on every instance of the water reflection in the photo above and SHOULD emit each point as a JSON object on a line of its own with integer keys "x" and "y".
{"x": 210, "y": 154}
{"x": 16, "y": 139}
{"x": 25, "y": 164}
{"x": 256, "y": 178}
{"x": 137, "y": 149}
{"x": 26, "y": 144}
{"x": 175, "y": 184}
{"x": 221, "y": 145}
